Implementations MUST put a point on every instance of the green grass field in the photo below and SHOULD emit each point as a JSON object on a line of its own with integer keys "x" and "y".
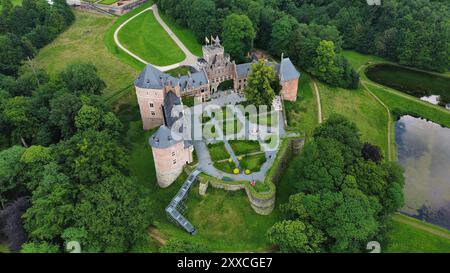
{"x": 145, "y": 37}
{"x": 83, "y": 42}
{"x": 359, "y": 107}
{"x": 186, "y": 35}
{"x": 111, "y": 45}
{"x": 302, "y": 114}
{"x": 411, "y": 235}
{"x": 108, "y": 2}
{"x": 218, "y": 151}
{"x": 253, "y": 162}
{"x": 242, "y": 147}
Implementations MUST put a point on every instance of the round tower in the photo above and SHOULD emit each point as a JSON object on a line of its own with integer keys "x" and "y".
{"x": 170, "y": 156}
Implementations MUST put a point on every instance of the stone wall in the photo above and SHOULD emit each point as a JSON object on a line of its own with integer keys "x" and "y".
{"x": 289, "y": 90}
{"x": 166, "y": 171}
{"x": 150, "y": 101}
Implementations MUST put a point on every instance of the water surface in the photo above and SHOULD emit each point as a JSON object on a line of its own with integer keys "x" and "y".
{"x": 424, "y": 152}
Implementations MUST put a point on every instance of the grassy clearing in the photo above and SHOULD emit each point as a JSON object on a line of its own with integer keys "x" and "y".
{"x": 411, "y": 235}
{"x": 357, "y": 60}
{"x": 242, "y": 147}
{"x": 111, "y": 45}
{"x": 218, "y": 151}
{"x": 185, "y": 35}
{"x": 83, "y": 42}
{"x": 302, "y": 114}
{"x": 145, "y": 37}
{"x": 359, "y": 107}
{"x": 406, "y": 104}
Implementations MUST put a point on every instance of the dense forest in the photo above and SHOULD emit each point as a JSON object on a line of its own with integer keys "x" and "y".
{"x": 63, "y": 170}
{"x": 412, "y": 32}
{"x": 343, "y": 193}
{"x": 26, "y": 28}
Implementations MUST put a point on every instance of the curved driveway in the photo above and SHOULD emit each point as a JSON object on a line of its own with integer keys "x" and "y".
{"x": 190, "y": 59}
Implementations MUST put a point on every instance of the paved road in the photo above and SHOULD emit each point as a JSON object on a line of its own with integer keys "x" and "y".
{"x": 190, "y": 58}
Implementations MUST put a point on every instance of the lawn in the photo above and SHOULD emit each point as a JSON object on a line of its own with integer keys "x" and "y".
{"x": 111, "y": 45}
{"x": 185, "y": 35}
{"x": 253, "y": 162}
{"x": 218, "y": 151}
{"x": 231, "y": 127}
{"x": 302, "y": 114}
{"x": 242, "y": 147}
{"x": 407, "y": 104}
{"x": 145, "y": 37}
{"x": 225, "y": 166}
{"x": 408, "y": 235}
{"x": 83, "y": 42}
{"x": 179, "y": 71}
{"x": 108, "y": 2}
{"x": 359, "y": 107}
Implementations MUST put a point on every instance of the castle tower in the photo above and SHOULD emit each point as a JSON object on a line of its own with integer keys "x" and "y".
{"x": 170, "y": 151}
{"x": 218, "y": 66}
{"x": 150, "y": 92}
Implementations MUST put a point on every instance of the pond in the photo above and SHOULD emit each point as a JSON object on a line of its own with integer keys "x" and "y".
{"x": 424, "y": 152}
{"x": 426, "y": 86}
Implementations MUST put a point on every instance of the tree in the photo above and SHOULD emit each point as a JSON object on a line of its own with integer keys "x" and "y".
{"x": 114, "y": 215}
{"x": 63, "y": 109}
{"x": 349, "y": 217}
{"x": 39, "y": 247}
{"x": 11, "y": 175}
{"x": 174, "y": 245}
{"x": 259, "y": 89}
{"x": 202, "y": 18}
{"x": 90, "y": 157}
{"x": 33, "y": 161}
{"x": 238, "y": 35}
{"x": 371, "y": 152}
{"x": 324, "y": 65}
{"x": 88, "y": 117}
{"x": 82, "y": 78}
{"x": 52, "y": 206}
{"x": 281, "y": 32}
{"x": 296, "y": 236}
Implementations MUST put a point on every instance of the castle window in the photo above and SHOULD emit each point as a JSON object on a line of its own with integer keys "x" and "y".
{"x": 173, "y": 153}
{"x": 151, "y": 105}
{"x": 174, "y": 161}
{"x": 153, "y": 113}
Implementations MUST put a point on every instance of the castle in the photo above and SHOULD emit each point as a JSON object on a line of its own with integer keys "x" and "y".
{"x": 159, "y": 93}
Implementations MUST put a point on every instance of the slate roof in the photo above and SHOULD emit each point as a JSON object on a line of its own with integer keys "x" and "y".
{"x": 152, "y": 78}
{"x": 287, "y": 70}
{"x": 171, "y": 112}
{"x": 242, "y": 70}
{"x": 194, "y": 80}
{"x": 163, "y": 138}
